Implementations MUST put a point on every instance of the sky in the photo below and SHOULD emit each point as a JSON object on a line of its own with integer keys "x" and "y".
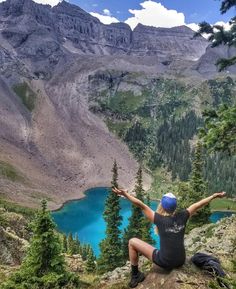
{"x": 158, "y": 13}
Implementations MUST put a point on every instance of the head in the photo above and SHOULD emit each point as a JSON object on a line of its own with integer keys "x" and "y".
{"x": 167, "y": 206}
{"x": 169, "y": 203}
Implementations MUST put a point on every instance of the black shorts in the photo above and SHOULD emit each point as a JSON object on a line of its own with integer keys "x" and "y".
{"x": 157, "y": 261}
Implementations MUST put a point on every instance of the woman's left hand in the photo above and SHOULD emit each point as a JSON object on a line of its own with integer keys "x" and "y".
{"x": 120, "y": 192}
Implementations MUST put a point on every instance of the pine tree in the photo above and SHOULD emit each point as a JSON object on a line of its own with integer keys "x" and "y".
{"x": 147, "y": 227}
{"x": 219, "y": 133}
{"x": 64, "y": 243}
{"x": 199, "y": 187}
{"x": 70, "y": 244}
{"x": 195, "y": 190}
{"x": 90, "y": 263}
{"x": 111, "y": 253}
{"x": 44, "y": 264}
{"x": 76, "y": 244}
{"x": 218, "y": 35}
{"x": 138, "y": 226}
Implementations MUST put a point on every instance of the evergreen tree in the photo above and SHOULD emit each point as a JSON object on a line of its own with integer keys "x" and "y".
{"x": 147, "y": 226}
{"x": 218, "y": 35}
{"x": 220, "y": 126}
{"x": 76, "y": 244}
{"x": 70, "y": 245}
{"x": 111, "y": 253}
{"x": 138, "y": 226}
{"x": 64, "y": 243}
{"x": 91, "y": 261}
{"x": 135, "y": 226}
{"x": 219, "y": 134}
{"x": 44, "y": 264}
{"x": 195, "y": 190}
{"x": 82, "y": 251}
{"x": 199, "y": 188}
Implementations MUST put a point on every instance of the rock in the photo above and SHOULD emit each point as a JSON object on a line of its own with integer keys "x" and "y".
{"x": 12, "y": 247}
{"x": 75, "y": 263}
{"x": 213, "y": 238}
{"x": 188, "y": 276}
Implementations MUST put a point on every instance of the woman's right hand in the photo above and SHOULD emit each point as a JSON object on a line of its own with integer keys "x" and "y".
{"x": 120, "y": 192}
{"x": 219, "y": 195}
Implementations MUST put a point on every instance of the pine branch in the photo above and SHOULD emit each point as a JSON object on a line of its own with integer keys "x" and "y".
{"x": 226, "y": 5}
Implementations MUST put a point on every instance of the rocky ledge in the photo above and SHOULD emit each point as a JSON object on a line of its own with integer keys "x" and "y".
{"x": 216, "y": 239}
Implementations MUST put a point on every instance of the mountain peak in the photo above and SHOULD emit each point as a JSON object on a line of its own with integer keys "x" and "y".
{"x": 68, "y": 8}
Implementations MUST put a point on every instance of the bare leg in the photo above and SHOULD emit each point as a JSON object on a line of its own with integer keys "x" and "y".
{"x": 137, "y": 246}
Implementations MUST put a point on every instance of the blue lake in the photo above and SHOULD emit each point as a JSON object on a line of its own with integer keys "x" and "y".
{"x": 85, "y": 217}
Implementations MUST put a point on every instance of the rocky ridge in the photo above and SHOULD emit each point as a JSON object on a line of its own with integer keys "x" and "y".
{"x": 66, "y": 22}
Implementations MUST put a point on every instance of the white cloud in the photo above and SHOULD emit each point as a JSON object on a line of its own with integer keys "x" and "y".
{"x": 107, "y": 12}
{"x": 195, "y": 27}
{"x": 104, "y": 18}
{"x": 226, "y": 25}
{"x": 95, "y": 5}
{"x": 155, "y": 14}
{"x": 50, "y": 2}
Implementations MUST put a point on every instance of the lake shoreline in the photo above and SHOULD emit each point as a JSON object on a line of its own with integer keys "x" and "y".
{"x": 76, "y": 199}
{"x": 223, "y": 210}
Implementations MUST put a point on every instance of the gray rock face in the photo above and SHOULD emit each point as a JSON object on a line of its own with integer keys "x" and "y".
{"x": 48, "y": 37}
{"x": 173, "y": 42}
{"x": 39, "y": 31}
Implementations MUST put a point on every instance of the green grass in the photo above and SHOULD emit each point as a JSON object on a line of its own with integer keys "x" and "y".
{"x": 26, "y": 94}
{"x": 3, "y": 276}
{"x": 223, "y": 205}
{"x": 9, "y": 172}
{"x": 125, "y": 102}
{"x": 15, "y": 208}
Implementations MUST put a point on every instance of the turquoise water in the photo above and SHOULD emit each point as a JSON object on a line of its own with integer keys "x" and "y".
{"x": 85, "y": 217}
{"x": 216, "y": 216}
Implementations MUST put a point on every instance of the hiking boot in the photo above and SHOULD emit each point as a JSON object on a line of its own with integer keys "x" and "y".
{"x": 135, "y": 279}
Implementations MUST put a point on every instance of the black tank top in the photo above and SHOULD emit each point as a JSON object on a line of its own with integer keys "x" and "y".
{"x": 171, "y": 230}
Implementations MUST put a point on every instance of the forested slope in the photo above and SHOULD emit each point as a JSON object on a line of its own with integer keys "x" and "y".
{"x": 159, "y": 119}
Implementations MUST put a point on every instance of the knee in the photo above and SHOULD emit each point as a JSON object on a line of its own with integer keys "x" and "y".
{"x": 132, "y": 242}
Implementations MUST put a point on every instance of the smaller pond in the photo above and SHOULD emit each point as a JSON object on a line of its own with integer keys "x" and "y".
{"x": 84, "y": 217}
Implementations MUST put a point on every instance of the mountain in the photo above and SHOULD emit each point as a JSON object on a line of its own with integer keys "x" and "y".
{"x": 54, "y": 145}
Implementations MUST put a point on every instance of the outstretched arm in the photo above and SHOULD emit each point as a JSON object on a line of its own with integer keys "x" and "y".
{"x": 148, "y": 212}
{"x": 196, "y": 206}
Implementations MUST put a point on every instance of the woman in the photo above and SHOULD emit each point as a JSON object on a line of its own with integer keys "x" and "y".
{"x": 171, "y": 229}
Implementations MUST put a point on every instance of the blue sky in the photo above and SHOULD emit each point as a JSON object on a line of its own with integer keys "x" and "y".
{"x": 194, "y": 10}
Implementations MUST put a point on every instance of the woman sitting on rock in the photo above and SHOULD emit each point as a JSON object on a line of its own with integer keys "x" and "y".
{"x": 171, "y": 229}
